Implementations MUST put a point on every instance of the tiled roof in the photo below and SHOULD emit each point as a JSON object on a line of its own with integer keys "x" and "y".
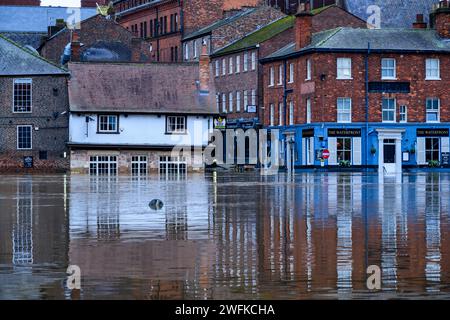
{"x": 33, "y": 39}
{"x": 16, "y": 61}
{"x": 138, "y": 88}
{"x": 220, "y": 23}
{"x": 37, "y": 19}
{"x": 348, "y": 39}
{"x": 259, "y": 36}
{"x": 394, "y": 13}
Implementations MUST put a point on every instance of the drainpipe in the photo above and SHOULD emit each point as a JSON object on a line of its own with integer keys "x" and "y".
{"x": 158, "y": 33}
{"x": 367, "y": 105}
{"x": 285, "y": 93}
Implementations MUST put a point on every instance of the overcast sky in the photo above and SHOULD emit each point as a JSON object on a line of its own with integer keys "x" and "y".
{"x": 61, "y": 3}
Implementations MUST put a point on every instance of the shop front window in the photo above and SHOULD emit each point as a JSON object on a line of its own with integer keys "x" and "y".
{"x": 431, "y": 149}
{"x": 344, "y": 149}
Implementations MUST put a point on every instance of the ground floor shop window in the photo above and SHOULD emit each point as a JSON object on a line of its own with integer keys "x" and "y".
{"x": 172, "y": 165}
{"x": 344, "y": 149}
{"x": 139, "y": 165}
{"x": 103, "y": 165}
{"x": 431, "y": 149}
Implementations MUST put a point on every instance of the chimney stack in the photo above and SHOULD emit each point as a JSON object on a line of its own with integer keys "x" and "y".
{"x": 204, "y": 65}
{"x": 441, "y": 19}
{"x": 75, "y": 46}
{"x": 303, "y": 26}
{"x": 420, "y": 23}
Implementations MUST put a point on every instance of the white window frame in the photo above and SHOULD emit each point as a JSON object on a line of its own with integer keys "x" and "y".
{"x": 230, "y": 65}
{"x": 308, "y": 69}
{"x": 186, "y": 51}
{"x": 344, "y": 68}
{"x": 245, "y": 100}
{"x": 291, "y": 73}
{"x": 217, "y": 68}
{"x": 224, "y": 66}
{"x": 238, "y": 101}
{"x": 253, "y": 59}
{"x": 389, "y": 110}
{"x": 108, "y": 118}
{"x": 428, "y": 69}
{"x": 230, "y": 101}
{"x": 394, "y": 68}
{"x": 195, "y": 48}
{"x": 272, "y": 114}
{"x": 245, "y": 62}
{"x": 280, "y": 74}
{"x": 272, "y": 76}
{"x": 183, "y": 123}
{"x": 31, "y": 136}
{"x": 238, "y": 63}
{"x": 403, "y": 109}
{"x": 139, "y": 165}
{"x": 291, "y": 113}
{"x": 224, "y": 103}
{"x": 179, "y": 163}
{"x": 342, "y": 113}
{"x": 110, "y": 160}
{"x": 438, "y": 112}
{"x": 308, "y": 110}
{"x": 18, "y": 82}
{"x": 280, "y": 114}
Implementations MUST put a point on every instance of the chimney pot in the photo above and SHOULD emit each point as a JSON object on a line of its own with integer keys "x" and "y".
{"x": 420, "y": 23}
{"x": 303, "y": 27}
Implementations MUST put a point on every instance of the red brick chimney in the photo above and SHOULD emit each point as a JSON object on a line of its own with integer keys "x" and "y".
{"x": 442, "y": 19}
{"x": 75, "y": 46}
{"x": 204, "y": 65}
{"x": 303, "y": 26}
{"x": 420, "y": 23}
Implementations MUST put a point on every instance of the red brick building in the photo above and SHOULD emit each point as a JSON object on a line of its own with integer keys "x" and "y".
{"x": 20, "y": 2}
{"x": 373, "y": 98}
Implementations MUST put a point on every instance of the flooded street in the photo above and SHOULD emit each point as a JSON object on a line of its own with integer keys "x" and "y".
{"x": 225, "y": 236}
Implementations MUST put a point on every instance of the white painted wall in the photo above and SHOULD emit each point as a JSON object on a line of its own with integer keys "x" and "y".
{"x": 140, "y": 130}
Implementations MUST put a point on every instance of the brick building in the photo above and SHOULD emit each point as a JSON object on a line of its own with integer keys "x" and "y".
{"x": 373, "y": 97}
{"x": 20, "y": 3}
{"x": 33, "y": 112}
{"x": 98, "y": 39}
{"x": 166, "y": 22}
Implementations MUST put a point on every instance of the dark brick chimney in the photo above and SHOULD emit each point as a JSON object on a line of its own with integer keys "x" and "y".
{"x": 75, "y": 46}
{"x": 441, "y": 18}
{"x": 303, "y": 26}
{"x": 420, "y": 23}
{"x": 204, "y": 65}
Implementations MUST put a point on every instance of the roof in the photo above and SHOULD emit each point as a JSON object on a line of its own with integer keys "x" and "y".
{"x": 38, "y": 19}
{"x": 138, "y": 88}
{"x": 259, "y": 36}
{"x": 32, "y": 39}
{"x": 383, "y": 40}
{"x": 394, "y": 13}
{"x": 17, "y": 61}
{"x": 206, "y": 30}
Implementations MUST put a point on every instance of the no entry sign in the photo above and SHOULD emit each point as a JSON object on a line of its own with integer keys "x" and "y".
{"x": 325, "y": 154}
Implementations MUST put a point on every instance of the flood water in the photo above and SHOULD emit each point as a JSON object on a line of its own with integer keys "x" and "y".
{"x": 225, "y": 236}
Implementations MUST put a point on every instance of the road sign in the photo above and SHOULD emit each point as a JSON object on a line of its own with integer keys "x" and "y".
{"x": 325, "y": 154}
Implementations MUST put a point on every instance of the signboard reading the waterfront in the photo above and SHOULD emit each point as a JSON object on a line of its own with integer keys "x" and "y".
{"x": 307, "y": 133}
{"x": 28, "y": 162}
{"x": 344, "y": 132}
{"x": 432, "y": 132}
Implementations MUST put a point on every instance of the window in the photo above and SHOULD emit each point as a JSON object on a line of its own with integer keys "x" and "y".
{"x": 186, "y": 51}
{"x": 403, "y": 114}
{"x": 230, "y": 66}
{"x": 344, "y": 68}
{"x": 108, "y": 124}
{"x": 103, "y": 165}
{"x": 272, "y": 77}
{"x": 388, "y": 68}
{"x": 238, "y": 63}
{"x": 291, "y": 73}
{"x": 224, "y": 103}
{"x": 308, "y": 110}
{"x": 245, "y": 61}
{"x": 431, "y": 149}
{"x": 230, "y": 101}
{"x": 291, "y": 113}
{"x": 253, "y": 97}
{"x": 432, "y": 69}
{"x": 433, "y": 105}
{"x": 253, "y": 60}
{"x": 344, "y": 149}
{"x": 195, "y": 44}
{"x": 22, "y": 99}
{"x": 388, "y": 110}
{"x": 172, "y": 165}
{"x": 344, "y": 110}
{"x": 280, "y": 74}
{"x": 272, "y": 115}
{"x": 280, "y": 114}
{"x": 218, "y": 101}
{"x": 176, "y": 124}
{"x": 139, "y": 165}
{"x": 238, "y": 101}
{"x": 24, "y": 137}
{"x": 245, "y": 100}
{"x": 217, "y": 68}
{"x": 224, "y": 67}
{"x": 308, "y": 69}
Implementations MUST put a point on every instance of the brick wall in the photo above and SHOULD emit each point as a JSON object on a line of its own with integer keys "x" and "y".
{"x": 50, "y": 127}
{"x": 98, "y": 31}
{"x": 20, "y": 2}
{"x": 334, "y": 17}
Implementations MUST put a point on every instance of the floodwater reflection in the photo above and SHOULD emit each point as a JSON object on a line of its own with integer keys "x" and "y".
{"x": 225, "y": 236}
